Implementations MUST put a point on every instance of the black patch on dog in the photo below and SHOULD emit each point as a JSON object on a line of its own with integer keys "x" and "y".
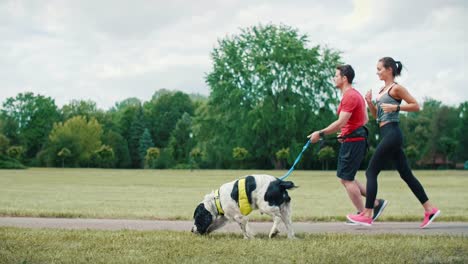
{"x": 277, "y": 193}
{"x": 203, "y": 218}
{"x": 250, "y": 186}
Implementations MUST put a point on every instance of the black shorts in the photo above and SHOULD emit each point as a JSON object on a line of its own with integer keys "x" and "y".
{"x": 350, "y": 158}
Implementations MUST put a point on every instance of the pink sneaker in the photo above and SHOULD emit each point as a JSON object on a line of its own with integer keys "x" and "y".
{"x": 429, "y": 217}
{"x": 360, "y": 219}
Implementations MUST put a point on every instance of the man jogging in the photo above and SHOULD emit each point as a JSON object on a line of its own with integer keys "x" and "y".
{"x": 352, "y": 116}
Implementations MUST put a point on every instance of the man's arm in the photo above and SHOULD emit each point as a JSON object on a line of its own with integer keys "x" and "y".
{"x": 332, "y": 128}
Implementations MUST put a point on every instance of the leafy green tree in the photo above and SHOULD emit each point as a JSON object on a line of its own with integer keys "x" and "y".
{"x": 152, "y": 155}
{"x": 412, "y": 154}
{"x": 240, "y": 154}
{"x": 10, "y": 163}
{"x": 268, "y": 89}
{"x": 81, "y": 137}
{"x": 137, "y": 129}
{"x": 4, "y": 144}
{"x": 165, "y": 159}
{"x": 28, "y": 120}
{"x": 181, "y": 141}
{"x": 163, "y": 113}
{"x": 325, "y": 155}
{"x": 86, "y": 108}
{"x": 196, "y": 156}
{"x": 124, "y": 104}
{"x": 2, "y": 123}
{"x": 145, "y": 143}
{"x": 15, "y": 152}
{"x": 447, "y": 116}
{"x": 282, "y": 156}
{"x": 461, "y": 151}
{"x": 104, "y": 157}
{"x": 447, "y": 146}
{"x": 120, "y": 146}
{"x": 123, "y": 114}
{"x": 64, "y": 153}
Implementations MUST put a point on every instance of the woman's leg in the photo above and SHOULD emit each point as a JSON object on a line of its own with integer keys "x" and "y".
{"x": 406, "y": 174}
{"x": 381, "y": 155}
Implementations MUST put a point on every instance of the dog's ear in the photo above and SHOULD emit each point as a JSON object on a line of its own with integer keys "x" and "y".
{"x": 197, "y": 210}
{"x": 203, "y": 218}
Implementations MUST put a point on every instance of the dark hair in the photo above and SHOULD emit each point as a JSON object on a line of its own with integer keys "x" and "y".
{"x": 396, "y": 66}
{"x": 346, "y": 71}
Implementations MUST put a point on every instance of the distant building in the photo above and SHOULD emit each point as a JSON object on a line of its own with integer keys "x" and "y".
{"x": 436, "y": 161}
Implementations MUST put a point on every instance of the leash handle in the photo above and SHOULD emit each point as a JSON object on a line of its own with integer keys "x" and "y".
{"x": 296, "y": 161}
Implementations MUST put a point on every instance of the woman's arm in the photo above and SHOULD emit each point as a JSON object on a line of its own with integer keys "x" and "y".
{"x": 372, "y": 107}
{"x": 400, "y": 92}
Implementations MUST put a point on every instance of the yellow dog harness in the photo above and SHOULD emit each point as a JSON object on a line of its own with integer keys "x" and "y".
{"x": 218, "y": 203}
{"x": 244, "y": 204}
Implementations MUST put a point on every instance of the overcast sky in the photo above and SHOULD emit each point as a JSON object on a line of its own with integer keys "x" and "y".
{"x": 107, "y": 51}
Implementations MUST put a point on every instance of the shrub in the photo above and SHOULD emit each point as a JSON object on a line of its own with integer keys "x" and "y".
{"x": 10, "y": 163}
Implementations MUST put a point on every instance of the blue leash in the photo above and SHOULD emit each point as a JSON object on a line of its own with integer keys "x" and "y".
{"x": 296, "y": 161}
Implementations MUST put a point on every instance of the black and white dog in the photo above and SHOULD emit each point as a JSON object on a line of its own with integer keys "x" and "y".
{"x": 263, "y": 192}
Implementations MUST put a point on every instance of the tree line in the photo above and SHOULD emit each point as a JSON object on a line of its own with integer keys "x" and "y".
{"x": 268, "y": 91}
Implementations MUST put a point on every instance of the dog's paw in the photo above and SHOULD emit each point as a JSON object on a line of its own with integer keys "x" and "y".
{"x": 274, "y": 234}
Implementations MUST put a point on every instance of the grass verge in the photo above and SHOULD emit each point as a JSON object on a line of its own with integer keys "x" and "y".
{"x": 20, "y": 245}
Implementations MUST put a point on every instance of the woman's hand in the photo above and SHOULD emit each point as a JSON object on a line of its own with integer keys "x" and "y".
{"x": 369, "y": 97}
{"x": 388, "y": 108}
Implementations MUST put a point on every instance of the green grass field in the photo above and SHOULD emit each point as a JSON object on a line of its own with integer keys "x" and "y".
{"x": 173, "y": 194}
{"x": 86, "y": 246}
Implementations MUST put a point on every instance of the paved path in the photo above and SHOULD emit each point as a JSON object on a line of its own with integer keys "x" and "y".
{"x": 437, "y": 228}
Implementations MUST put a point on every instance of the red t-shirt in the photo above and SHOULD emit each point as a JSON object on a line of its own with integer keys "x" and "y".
{"x": 353, "y": 102}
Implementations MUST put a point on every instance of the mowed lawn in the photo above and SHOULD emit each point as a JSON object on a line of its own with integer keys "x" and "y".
{"x": 173, "y": 194}
{"x": 90, "y": 246}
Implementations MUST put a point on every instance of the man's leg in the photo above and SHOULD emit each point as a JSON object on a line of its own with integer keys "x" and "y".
{"x": 354, "y": 192}
{"x": 362, "y": 189}
{"x": 350, "y": 158}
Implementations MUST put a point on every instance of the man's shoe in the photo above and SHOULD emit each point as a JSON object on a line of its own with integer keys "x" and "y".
{"x": 429, "y": 217}
{"x": 378, "y": 209}
{"x": 360, "y": 219}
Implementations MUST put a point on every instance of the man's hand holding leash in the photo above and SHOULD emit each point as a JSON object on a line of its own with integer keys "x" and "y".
{"x": 314, "y": 137}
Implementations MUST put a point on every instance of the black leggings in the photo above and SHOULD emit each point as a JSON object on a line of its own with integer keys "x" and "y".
{"x": 391, "y": 148}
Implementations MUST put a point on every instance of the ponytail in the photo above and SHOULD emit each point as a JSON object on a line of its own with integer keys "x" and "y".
{"x": 399, "y": 67}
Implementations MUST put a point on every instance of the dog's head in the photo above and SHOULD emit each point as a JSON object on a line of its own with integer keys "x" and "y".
{"x": 203, "y": 220}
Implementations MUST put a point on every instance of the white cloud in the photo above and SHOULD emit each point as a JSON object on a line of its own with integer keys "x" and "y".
{"x": 107, "y": 51}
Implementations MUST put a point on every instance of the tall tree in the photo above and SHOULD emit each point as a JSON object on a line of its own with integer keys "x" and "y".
{"x": 4, "y": 144}
{"x": 86, "y": 108}
{"x": 145, "y": 143}
{"x": 79, "y": 136}
{"x": 268, "y": 91}
{"x": 163, "y": 112}
{"x": 28, "y": 120}
{"x": 136, "y": 131}
{"x": 461, "y": 133}
{"x": 120, "y": 147}
{"x": 181, "y": 141}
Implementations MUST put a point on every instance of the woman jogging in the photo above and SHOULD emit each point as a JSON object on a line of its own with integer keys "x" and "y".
{"x": 386, "y": 111}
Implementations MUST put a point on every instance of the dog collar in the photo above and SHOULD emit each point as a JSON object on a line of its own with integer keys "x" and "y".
{"x": 218, "y": 203}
